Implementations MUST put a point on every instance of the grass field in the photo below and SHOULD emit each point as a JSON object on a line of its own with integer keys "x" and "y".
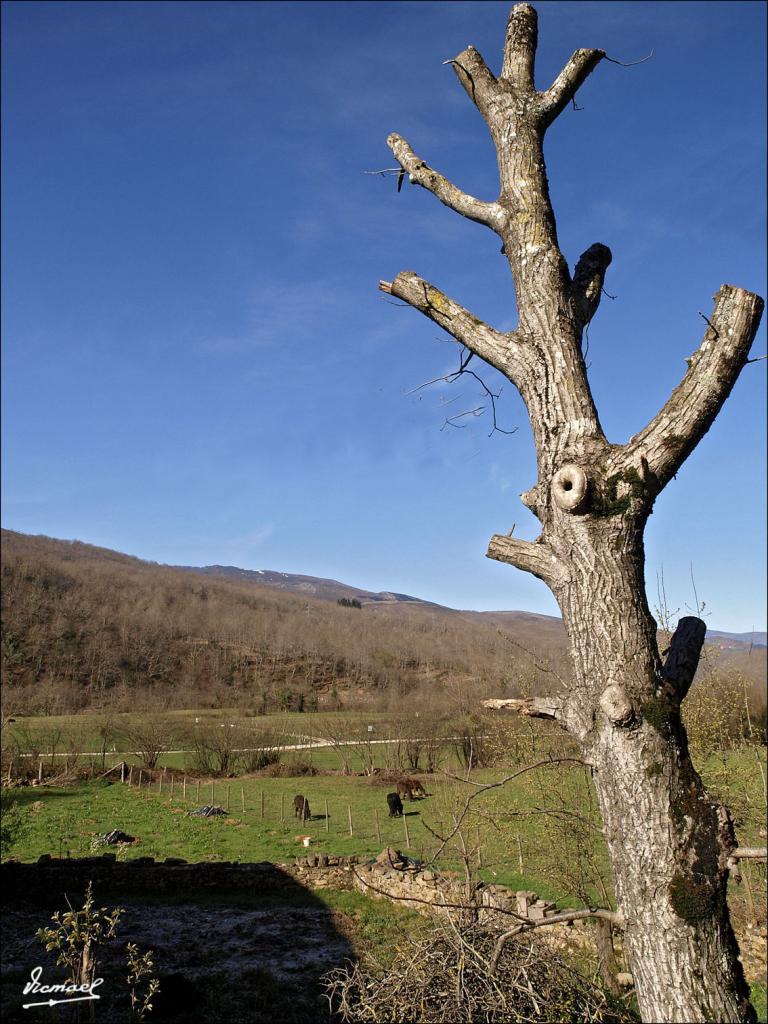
{"x": 63, "y": 821}
{"x": 509, "y": 834}
{"x": 523, "y": 834}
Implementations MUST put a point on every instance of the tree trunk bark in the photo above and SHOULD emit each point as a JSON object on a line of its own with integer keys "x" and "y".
{"x": 669, "y": 844}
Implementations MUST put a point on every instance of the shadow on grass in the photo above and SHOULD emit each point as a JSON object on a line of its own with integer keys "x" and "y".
{"x": 229, "y": 945}
{"x": 25, "y": 796}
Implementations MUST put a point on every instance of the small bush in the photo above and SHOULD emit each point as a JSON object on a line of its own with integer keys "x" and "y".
{"x": 290, "y": 769}
{"x": 257, "y": 760}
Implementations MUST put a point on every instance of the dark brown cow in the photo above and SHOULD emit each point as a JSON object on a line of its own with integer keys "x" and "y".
{"x": 301, "y": 808}
{"x": 395, "y": 805}
{"x": 410, "y": 789}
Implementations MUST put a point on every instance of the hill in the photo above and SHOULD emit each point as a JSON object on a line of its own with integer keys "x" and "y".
{"x": 85, "y": 626}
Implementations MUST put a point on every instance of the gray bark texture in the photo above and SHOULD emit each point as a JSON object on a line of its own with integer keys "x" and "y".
{"x": 669, "y": 842}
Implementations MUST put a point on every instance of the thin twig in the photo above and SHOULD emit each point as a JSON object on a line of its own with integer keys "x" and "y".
{"x": 484, "y": 787}
{"x": 450, "y": 378}
{"x": 631, "y": 64}
{"x": 385, "y": 170}
{"x": 709, "y": 322}
{"x": 536, "y": 664}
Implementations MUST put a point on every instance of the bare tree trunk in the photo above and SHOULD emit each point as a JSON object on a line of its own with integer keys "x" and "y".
{"x": 668, "y": 842}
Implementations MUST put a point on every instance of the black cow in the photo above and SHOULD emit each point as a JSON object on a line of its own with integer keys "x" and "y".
{"x": 395, "y": 805}
{"x": 301, "y": 808}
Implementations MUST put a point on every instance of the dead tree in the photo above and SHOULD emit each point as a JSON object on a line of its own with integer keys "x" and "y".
{"x": 669, "y": 842}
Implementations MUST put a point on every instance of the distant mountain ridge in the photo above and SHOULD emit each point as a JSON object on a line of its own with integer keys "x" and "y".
{"x": 328, "y": 590}
{"x": 334, "y": 590}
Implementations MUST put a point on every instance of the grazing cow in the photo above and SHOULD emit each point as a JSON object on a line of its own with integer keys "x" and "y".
{"x": 395, "y": 805}
{"x": 410, "y": 789}
{"x": 301, "y": 808}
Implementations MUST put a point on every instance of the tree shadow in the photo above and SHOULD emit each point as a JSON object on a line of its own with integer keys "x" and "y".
{"x": 230, "y": 942}
{"x": 25, "y": 796}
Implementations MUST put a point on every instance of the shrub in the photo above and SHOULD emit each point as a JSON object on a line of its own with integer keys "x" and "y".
{"x": 447, "y": 976}
{"x": 256, "y": 760}
{"x": 289, "y": 769}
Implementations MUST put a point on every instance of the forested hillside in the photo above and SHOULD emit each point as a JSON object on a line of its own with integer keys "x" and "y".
{"x": 86, "y": 627}
{"x": 83, "y": 626}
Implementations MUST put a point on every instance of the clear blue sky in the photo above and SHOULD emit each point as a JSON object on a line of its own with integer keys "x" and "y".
{"x": 198, "y": 365}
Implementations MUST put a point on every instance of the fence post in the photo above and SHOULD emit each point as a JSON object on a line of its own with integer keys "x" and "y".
{"x": 327, "y": 818}
{"x": 262, "y": 803}
{"x": 519, "y": 854}
{"x": 378, "y": 827}
{"x": 242, "y": 797}
{"x": 184, "y": 790}
{"x": 160, "y": 784}
{"x": 349, "y": 815}
{"x": 172, "y": 779}
{"x": 40, "y": 770}
{"x": 197, "y": 792}
{"x": 228, "y": 789}
{"x": 141, "y": 777}
{"x": 213, "y": 792}
{"x": 130, "y": 775}
{"x": 282, "y": 807}
{"x": 407, "y": 837}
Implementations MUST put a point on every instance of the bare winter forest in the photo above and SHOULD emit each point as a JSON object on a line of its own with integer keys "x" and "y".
{"x": 84, "y": 627}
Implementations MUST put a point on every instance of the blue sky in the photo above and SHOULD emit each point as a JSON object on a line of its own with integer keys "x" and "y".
{"x": 198, "y": 366}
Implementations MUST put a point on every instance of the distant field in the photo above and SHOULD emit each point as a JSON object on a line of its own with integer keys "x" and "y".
{"x": 53, "y": 736}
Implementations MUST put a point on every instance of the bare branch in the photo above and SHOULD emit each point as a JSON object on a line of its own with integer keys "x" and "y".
{"x": 534, "y": 660}
{"x": 536, "y": 558}
{"x": 450, "y": 421}
{"x": 420, "y": 173}
{"x": 529, "y": 707}
{"x": 749, "y": 853}
{"x": 520, "y": 47}
{"x": 492, "y": 346}
{"x": 483, "y": 787}
{"x": 683, "y": 655}
{"x": 568, "y": 82}
{"x": 678, "y": 427}
{"x": 476, "y": 78}
{"x": 631, "y": 63}
{"x": 558, "y": 814}
{"x": 451, "y": 378}
{"x": 616, "y": 919}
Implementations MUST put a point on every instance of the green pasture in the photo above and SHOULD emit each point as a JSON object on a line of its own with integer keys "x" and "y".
{"x": 502, "y": 846}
